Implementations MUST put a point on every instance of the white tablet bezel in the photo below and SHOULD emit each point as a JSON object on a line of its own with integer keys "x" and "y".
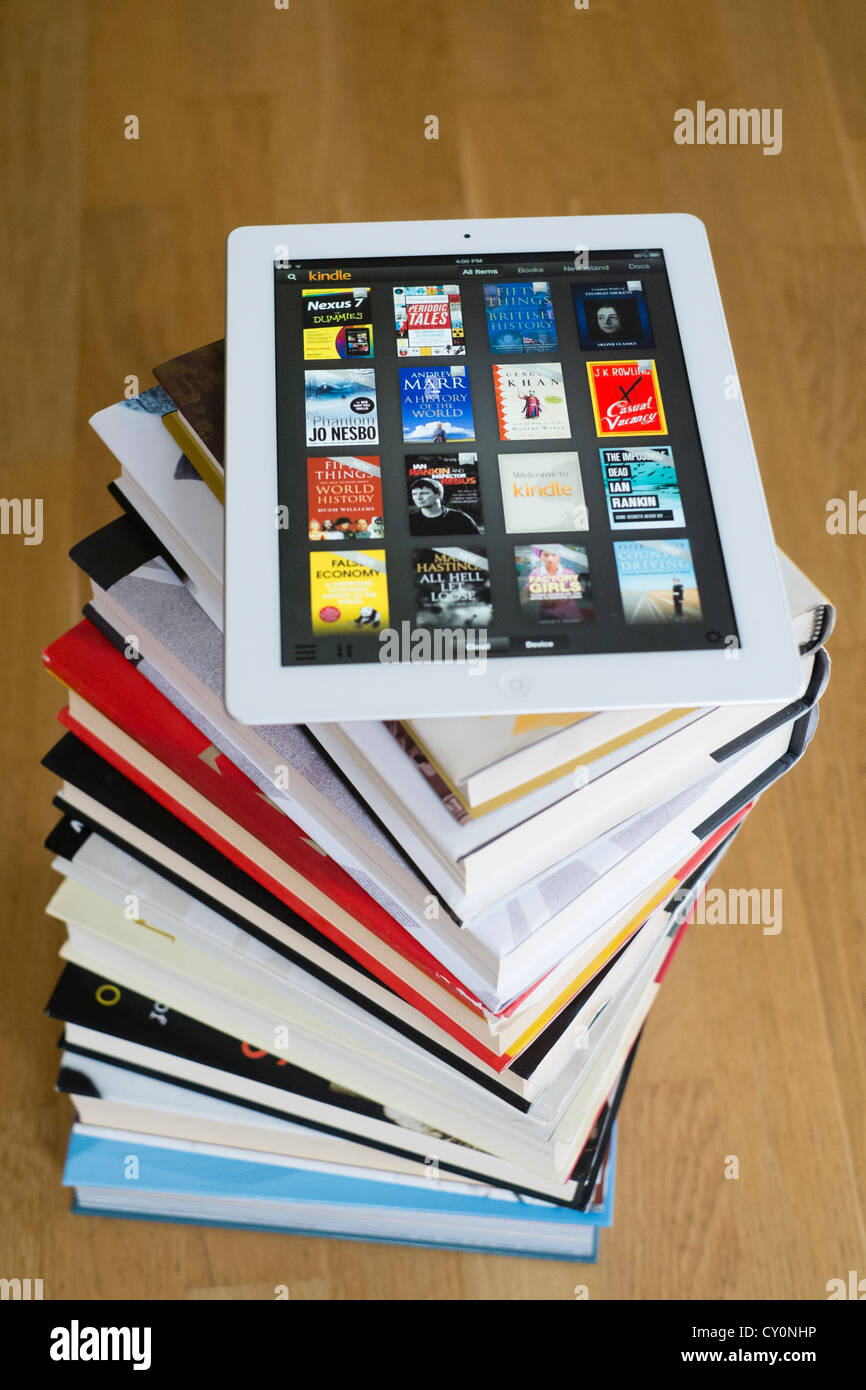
{"x": 259, "y": 689}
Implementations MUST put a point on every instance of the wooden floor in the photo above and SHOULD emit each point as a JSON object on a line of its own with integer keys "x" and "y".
{"x": 112, "y": 259}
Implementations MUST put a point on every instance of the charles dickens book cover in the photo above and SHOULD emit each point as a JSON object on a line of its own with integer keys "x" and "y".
{"x": 337, "y": 323}
{"x": 340, "y": 406}
{"x": 452, "y": 588}
{"x": 348, "y": 591}
{"x": 436, "y": 405}
{"x": 344, "y": 497}
{"x": 444, "y": 496}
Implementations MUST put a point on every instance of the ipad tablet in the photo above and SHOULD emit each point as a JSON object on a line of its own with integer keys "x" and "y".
{"x": 485, "y": 467}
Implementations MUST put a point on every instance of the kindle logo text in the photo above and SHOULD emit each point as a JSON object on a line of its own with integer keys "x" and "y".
{"x": 22, "y": 516}
{"x": 316, "y": 275}
{"x": 737, "y": 126}
{"x": 77, "y": 1343}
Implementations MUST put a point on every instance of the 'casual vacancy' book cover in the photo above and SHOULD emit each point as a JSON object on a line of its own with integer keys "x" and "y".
{"x": 436, "y": 404}
{"x": 530, "y": 401}
{"x": 657, "y": 581}
{"x": 336, "y": 323}
{"x": 542, "y": 492}
{"x": 348, "y": 591}
{"x": 340, "y": 406}
{"x": 344, "y": 497}
{"x": 452, "y": 588}
{"x": 614, "y": 316}
{"x": 641, "y": 487}
{"x": 520, "y": 316}
{"x": 553, "y": 583}
{"x": 626, "y": 397}
{"x": 429, "y": 321}
{"x": 444, "y": 495}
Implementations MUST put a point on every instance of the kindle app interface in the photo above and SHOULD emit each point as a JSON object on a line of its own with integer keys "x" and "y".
{"x": 499, "y": 446}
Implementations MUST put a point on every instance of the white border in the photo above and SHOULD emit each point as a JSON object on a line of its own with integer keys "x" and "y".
{"x": 260, "y": 690}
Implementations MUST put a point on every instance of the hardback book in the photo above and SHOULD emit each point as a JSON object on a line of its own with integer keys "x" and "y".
{"x": 196, "y": 381}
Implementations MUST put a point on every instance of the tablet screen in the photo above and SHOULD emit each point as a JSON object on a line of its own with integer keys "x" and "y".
{"x": 491, "y": 454}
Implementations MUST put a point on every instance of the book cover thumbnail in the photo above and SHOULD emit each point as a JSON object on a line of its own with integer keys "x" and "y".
{"x": 641, "y": 487}
{"x": 336, "y": 323}
{"x": 553, "y": 583}
{"x": 613, "y": 316}
{"x": 530, "y": 401}
{"x": 452, "y": 588}
{"x": 436, "y": 405}
{"x": 341, "y": 407}
{"x": 444, "y": 495}
{"x": 542, "y": 492}
{"x": 344, "y": 498}
{"x": 626, "y": 397}
{"x": 657, "y": 581}
{"x": 520, "y": 316}
{"x": 428, "y": 321}
{"x": 348, "y": 591}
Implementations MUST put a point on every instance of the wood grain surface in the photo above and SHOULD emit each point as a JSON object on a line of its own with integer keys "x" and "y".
{"x": 112, "y": 260}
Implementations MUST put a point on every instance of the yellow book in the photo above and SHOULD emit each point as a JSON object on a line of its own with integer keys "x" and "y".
{"x": 186, "y": 439}
{"x": 348, "y": 591}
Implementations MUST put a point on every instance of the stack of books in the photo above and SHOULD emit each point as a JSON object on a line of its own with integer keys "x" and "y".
{"x": 375, "y": 981}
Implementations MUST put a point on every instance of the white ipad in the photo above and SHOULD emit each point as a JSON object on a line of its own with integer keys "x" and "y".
{"x": 486, "y": 467}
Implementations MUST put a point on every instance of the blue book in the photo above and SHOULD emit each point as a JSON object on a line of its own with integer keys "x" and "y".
{"x": 145, "y": 1176}
{"x": 436, "y": 405}
{"x": 520, "y": 316}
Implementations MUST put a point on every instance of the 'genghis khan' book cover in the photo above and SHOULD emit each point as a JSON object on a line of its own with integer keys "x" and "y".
{"x": 553, "y": 583}
{"x": 641, "y": 487}
{"x": 444, "y": 495}
{"x": 452, "y": 588}
{"x": 436, "y": 404}
{"x": 626, "y": 397}
{"x": 348, "y": 591}
{"x": 429, "y": 321}
{"x": 614, "y": 316}
{"x": 336, "y": 323}
{"x": 344, "y": 497}
{"x": 530, "y": 401}
{"x": 340, "y": 407}
{"x": 520, "y": 316}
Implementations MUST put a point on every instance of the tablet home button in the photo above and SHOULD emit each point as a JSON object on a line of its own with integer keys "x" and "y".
{"x": 514, "y": 685}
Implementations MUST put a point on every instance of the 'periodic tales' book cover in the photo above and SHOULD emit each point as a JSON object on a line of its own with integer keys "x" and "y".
{"x": 520, "y": 316}
{"x": 348, "y": 591}
{"x": 530, "y": 401}
{"x": 657, "y": 581}
{"x": 436, "y": 404}
{"x": 553, "y": 583}
{"x": 613, "y": 316}
{"x": 344, "y": 497}
{"x": 336, "y": 323}
{"x": 542, "y": 492}
{"x": 444, "y": 496}
{"x": 626, "y": 397}
{"x": 340, "y": 406}
{"x": 429, "y": 321}
{"x": 452, "y": 588}
{"x": 641, "y": 487}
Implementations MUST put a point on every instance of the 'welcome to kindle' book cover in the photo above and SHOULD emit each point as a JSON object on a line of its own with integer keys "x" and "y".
{"x": 542, "y": 492}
